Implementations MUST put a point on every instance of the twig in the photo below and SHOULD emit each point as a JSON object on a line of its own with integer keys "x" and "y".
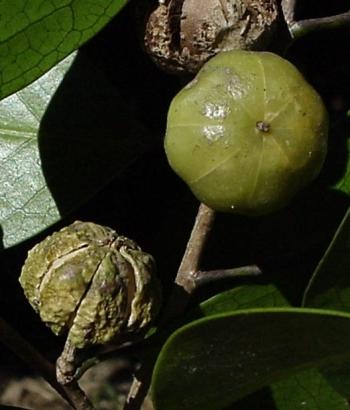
{"x": 71, "y": 393}
{"x": 188, "y": 279}
{"x": 140, "y": 386}
{"x": 195, "y": 246}
{"x": 135, "y": 349}
{"x": 178, "y": 299}
{"x": 302, "y": 27}
{"x": 201, "y": 278}
{"x": 77, "y": 397}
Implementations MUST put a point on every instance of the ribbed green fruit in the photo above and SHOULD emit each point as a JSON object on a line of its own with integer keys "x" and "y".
{"x": 247, "y": 133}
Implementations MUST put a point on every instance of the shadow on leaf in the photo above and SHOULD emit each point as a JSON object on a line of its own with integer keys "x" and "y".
{"x": 87, "y": 135}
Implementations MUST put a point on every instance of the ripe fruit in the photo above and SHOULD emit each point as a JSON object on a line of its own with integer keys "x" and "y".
{"x": 247, "y": 133}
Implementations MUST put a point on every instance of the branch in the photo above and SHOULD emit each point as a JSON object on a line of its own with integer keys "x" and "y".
{"x": 300, "y": 28}
{"x": 303, "y": 27}
{"x": 188, "y": 279}
{"x": 195, "y": 247}
{"x": 202, "y": 278}
{"x": 71, "y": 393}
{"x": 178, "y": 299}
{"x": 136, "y": 348}
{"x": 77, "y": 397}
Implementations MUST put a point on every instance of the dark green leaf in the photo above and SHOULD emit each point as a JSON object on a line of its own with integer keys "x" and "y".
{"x": 62, "y": 138}
{"x": 231, "y": 355}
{"x": 343, "y": 184}
{"x": 329, "y": 287}
{"x": 35, "y": 35}
{"x": 243, "y": 297}
{"x": 307, "y": 390}
{"x": 338, "y": 376}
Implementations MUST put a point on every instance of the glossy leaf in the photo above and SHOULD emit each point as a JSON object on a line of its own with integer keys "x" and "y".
{"x": 60, "y": 141}
{"x": 243, "y": 297}
{"x": 35, "y": 35}
{"x": 305, "y": 390}
{"x": 230, "y": 355}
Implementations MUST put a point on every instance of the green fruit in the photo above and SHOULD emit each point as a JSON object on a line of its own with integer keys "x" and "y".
{"x": 247, "y": 133}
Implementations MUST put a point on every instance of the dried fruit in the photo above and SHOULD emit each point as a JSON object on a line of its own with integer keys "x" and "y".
{"x": 90, "y": 282}
{"x": 182, "y": 34}
{"x": 247, "y": 133}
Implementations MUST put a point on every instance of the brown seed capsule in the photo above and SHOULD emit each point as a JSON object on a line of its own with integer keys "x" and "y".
{"x": 92, "y": 284}
{"x": 182, "y": 34}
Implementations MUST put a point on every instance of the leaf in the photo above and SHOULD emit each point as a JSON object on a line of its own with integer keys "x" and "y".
{"x": 306, "y": 390}
{"x": 243, "y": 297}
{"x": 338, "y": 376}
{"x": 26, "y": 205}
{"x": 343, "y": 185}
{"x": 62, "y": 138}
{"x": 35, "y": 35}
{"x": 329, "y": 287}
{"x": 230, "y": 355}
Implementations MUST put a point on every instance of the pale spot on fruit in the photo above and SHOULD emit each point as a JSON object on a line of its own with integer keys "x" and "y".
{"x": 215, "y": 111}
{"x": 213, "y": 132}
{"x": 235, "y": 87}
